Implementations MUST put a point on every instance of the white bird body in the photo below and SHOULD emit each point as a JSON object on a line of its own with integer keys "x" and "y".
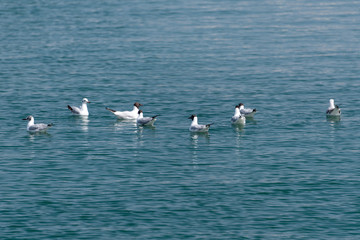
{"x": 127, "y": 115}
{"x": 238, "y": 118}
{"x": 32, "y": 127}
{"x": 145, "y": 121}
{"x": 333, "y": 110}
{"x": 83, "y": 110}
{"x": 196, "y": 127}
{"x": 247, "y": 112}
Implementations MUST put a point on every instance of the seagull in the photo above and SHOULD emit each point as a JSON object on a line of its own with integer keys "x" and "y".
{"x": 127, "y": 114}
{"x": 238, "y": 118}
{"x": 247, "y": 112}
{"x": 333, "y": 109}
{"x": 32, "y": 127}
{"x": 82, "y": 110}
{"x": 145, "y": 121}
{"x": 195, "y": 127}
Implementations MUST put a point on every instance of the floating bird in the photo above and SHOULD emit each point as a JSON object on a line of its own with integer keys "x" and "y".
{"x": 238, "y": 118}
{"x": 83, "y": 110}
{"x": 32, "y": 127}
{"x": 195, "y": 127}
{"x": 127, "y": 115}
{"x": 333, "y": 109}
{"x": 145, "y": 121}
{"x": 247, "y": 112}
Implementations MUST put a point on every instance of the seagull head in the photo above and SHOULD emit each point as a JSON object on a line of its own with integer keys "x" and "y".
{"x": 332, "y": 103}
{"x": 140, "y": 114}
{"x": 192, "y": 117}
{"x": 29, "y": 118}
{"x": 85, "y": 100}
{"x": 137, "y": 104}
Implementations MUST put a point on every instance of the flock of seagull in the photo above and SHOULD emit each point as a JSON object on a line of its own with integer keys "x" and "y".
{"x": 239, "y": 118}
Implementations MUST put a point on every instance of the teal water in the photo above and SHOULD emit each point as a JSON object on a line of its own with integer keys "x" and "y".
{"x": 290, "y": 173}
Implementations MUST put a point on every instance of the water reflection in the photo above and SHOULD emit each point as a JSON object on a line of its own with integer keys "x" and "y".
{"x": 141, "y": 132}
{"x": 335, "y": 124}
{"x": 33, "y": 135}
{"x": 251, "y": 120}
{"x": 124, "y": 124}
{"x": 238, "y": 128}
{"x": 194, "y": 142}
{"x": 333, "y": 120}
{"x": 145, "y": 127}
{"x": 84, "y": 123}
{"x": 195, "y": 145}
{"x": 239, "y": 131}
{"x": 195, "y": 137}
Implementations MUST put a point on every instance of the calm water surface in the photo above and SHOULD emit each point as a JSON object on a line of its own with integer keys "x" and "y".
{"x": 290, "y": 173}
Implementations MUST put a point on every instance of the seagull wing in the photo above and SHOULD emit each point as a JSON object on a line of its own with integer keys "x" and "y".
{"x": 200, "y": 128}
{"x": 234, "y": 119}
{"x": 146, "y": 120}
{"x": 73, "y": 109}
{"x": 246, "y": 110}
{"x": 39, "y": 127}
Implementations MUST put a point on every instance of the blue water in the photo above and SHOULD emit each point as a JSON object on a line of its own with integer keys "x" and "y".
{"x": 290, "y": 173}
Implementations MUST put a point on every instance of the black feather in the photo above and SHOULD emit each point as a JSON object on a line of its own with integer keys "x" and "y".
{"x": 110, "y": 109}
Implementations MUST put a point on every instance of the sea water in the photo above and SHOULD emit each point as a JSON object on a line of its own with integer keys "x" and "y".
{"x": 289, "y": 173}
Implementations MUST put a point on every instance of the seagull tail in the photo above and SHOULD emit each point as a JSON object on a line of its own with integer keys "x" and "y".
{"x": 111, "y": 110}
{"x": 70, "y": 108}
{"x": 155, "y": 116}
{"x": 50, "y": 124}
{"x": 208, "y": 125}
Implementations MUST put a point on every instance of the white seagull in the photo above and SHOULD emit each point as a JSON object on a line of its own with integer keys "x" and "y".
{"x": 145, "y": 121}
{"x": 247, "y": 112}
{"x": 195, "y": 127}
{"x": 83, "y": 110}
{"x": 238, "y": 118}
{"x": 32, "y": 127}
{"x": 127, "y": 115}
{"x": 333, "y": 109}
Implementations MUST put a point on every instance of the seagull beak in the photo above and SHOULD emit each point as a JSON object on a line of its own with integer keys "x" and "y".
{"x": 25, "y": 119}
